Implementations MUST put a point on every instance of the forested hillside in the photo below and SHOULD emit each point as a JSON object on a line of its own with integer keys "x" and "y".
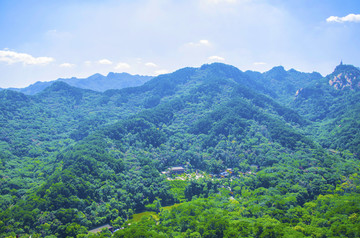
{"x": 263, "y": 155}
{"x": 333, "y": 105}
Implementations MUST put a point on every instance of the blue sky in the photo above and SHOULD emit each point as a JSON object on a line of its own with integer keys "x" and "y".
{"x": 42, "y": 40}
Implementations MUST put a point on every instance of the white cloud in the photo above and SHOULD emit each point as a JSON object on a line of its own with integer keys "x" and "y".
{"x": 151, "y": 64}
{"x": 259, "y": 63}
{"x": 200, "y": 43}
{"x": 122, "y": 65}
{"x": 348, "y": 18}
{"x": 204, "y": 42}
{"x": 104, "y": 61}
{"x": 161, "y": 71}
{"x": 12, "y": 57}
{"x": 60, "y": 35}
{"x": 67, "y": 65}
{"x": 217, "y": 58}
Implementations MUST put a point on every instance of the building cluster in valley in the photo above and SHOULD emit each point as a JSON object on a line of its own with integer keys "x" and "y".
{"x": 226, "y": 173}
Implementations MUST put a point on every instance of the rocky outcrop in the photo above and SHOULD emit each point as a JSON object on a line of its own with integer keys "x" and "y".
{"x": 345, "y": 76}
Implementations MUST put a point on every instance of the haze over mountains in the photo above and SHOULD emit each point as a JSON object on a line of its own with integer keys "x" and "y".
{"x": 73, "y": 159}
{"x": 96, "y": 82}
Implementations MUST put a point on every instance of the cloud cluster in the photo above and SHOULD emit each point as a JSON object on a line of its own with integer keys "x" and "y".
{"x": 104, "y": 61}
{"x": 200, "y": 43}
{"x": 151, "y": 64}
{"x": 348, "y": 18}
{"x": 161, "y": 71}
{"x": 122, "y": 65}
{"x": 259, "y": 63}
{"x": 12, "y": 57}
{"x": 66, "y": 65}
{"x": 216, "y": 58}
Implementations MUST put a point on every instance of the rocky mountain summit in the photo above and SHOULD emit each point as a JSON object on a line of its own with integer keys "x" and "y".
{"x": 345, "y": 76}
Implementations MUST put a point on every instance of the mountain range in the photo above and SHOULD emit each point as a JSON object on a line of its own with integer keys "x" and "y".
{"x": 96, "y": 82}
{"x": 72, "y": 159}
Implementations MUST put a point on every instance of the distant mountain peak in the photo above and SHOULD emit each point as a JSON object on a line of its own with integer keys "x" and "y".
{"x": 110, "y": 74}
{"x": 278, "y": 68}
{"x": 58, "y": 86}
{"x": 94, "y": 76}
{"x": 344, "y": 67}
{"x": 277, "y": 72}
{"x": 217, "y": 66}
{"x": 96, "y": 82}
{"x": 345, "y": 76}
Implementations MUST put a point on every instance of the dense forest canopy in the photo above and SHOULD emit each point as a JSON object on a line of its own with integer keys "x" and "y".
{"x": 272, "y": 154}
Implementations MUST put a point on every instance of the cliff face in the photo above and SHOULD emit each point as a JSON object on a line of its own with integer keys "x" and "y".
{"x": 345, "y": 76}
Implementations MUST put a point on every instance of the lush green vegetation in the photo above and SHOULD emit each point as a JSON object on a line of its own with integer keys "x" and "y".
{"x": 74, "y": 159}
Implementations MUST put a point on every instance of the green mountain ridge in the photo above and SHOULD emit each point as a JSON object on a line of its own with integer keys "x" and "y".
{"x": 96, "y": 82}
{"x": 72, "y": 159}
{"x": 283, "y": 84}
{"x": 333, "y": 104}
